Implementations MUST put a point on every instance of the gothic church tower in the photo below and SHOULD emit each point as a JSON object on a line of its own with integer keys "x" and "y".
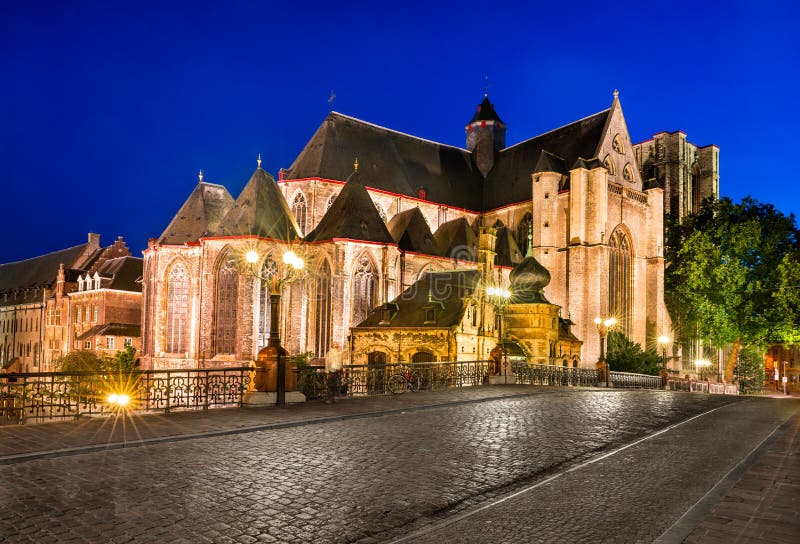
{"x": 486, "y": 135}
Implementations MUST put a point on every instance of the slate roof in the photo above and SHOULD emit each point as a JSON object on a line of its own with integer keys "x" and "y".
{"x": 457, "y": 240}
{"x": 448, "y": 288}
{"x": 509, "y": 181}
{"x": 352, "y": 215}
{"x": 200, "y": 214}
{"x": 390, "y": 161}
{"x": 486, "y": 112}
{"x": 122, "y": 273}
{"x": 506, "y": 249}
{"x": 411, "y": 232}
{"x": 261, "y": 210}
{"x": 39, "y": 270}
{"x": 112, "y": 329}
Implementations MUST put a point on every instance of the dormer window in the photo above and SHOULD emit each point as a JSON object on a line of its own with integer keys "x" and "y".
{"x": 80, "y": 283}
{"x": 430, "y": 316}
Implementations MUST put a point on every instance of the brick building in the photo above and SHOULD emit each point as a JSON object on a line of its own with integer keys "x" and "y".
{"x": 35, "y": 309}
{"x": 372, "y": 210}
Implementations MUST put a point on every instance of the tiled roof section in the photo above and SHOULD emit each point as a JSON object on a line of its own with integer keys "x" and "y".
{"x": 447, "y": 289}
{"x": 506, "y": 248}
{"x": 457, "y": 240}
{"x": 122, "y": 273}
{"x": 112, "y": 329}
{"x": 509, "y": 181}
{"x": 564, "y": 331}
{"x": 200, "y": 215}
{"x": 411, "y": 232}
{"x": 261, "y": 210}
{"x": 390, "y": 161}
{"x": 486, "y": 112}
{"x": 40, "y": 270}
{"x": 352, "y": 215}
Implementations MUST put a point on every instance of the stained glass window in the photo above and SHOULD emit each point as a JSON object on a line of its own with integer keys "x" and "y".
{"x": 177, "y": 309}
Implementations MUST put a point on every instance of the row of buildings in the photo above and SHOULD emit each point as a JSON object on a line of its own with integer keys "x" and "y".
{"x": 405, "y": 243}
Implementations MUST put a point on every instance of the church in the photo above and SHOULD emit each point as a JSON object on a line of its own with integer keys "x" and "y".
{"x": 370, "y": 213}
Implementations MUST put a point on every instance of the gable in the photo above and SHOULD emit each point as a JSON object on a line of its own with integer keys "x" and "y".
{"x": 615, "y": 146}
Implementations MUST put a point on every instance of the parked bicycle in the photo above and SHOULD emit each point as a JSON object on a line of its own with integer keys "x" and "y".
{"x": 403, "y": 381}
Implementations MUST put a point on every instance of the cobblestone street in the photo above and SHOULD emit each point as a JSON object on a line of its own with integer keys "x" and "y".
{"x": 373, "y": 476}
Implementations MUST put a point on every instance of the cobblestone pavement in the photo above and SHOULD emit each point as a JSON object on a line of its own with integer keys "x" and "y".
{"x": 373, "y": 478}
{"x": 632, "y": 496}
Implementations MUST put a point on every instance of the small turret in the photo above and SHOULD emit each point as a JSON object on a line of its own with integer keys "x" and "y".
{"x": 486, "y": 135}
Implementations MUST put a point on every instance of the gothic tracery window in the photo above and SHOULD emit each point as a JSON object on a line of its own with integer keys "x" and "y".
{"x": 364, "y": 289}
{"x": 627, "y": 173}
{"x": 523, "y": 229}
{"x": 227, "y": 300}
{"x": 322, "y": 311}
{"x": 299, "y": 210}
{"x": 268, "y": 271}
{"x": 609, "y": 164}
{"x": 620, "y": 280}
{"x": 177, "y": 309}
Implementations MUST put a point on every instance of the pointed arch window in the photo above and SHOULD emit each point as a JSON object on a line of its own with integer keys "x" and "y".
{"x": 322, "y": 311}
{"x": 177, "y": 309}
{"x": 227, "y": 300}
{"x": 620, "y": 280}
{"x": 609, "y": 164}
{"x": 299, "y": 210}
{"x": 268, "y": 271}
{"x": 364, "y": 289}
{"x": 617, "y": 144}
{"x": 627, "y": 173}
{"x": 523, "y": 229}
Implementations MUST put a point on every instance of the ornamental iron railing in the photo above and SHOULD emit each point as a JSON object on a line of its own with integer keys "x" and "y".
{"x": 555, "y": 375}
{"x": 44, "y": 396}
{"x": 368, "y": 380}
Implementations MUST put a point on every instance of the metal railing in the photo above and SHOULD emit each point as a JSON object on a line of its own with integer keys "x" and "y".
{"x": 43, "y": 396}
{"x": 554, "y": 375}
{"x": 367, "y": 380}
{"x": 628, "y": 380}
{"x": 702, "y": 386}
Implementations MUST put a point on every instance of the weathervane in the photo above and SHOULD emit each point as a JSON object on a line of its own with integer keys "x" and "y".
{"x": 259, "y": 160}
{"x": 200, "y": 175}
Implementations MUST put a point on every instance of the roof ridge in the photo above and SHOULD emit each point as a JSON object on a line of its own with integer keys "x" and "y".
{"x": 407, "y": 135}
{"x": 555, "y": 129}
{"x": 45, "y": 254}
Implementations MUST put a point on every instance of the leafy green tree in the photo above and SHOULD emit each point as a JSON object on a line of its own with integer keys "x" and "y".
{"x": 83, "y": 360}
{"x": 729, "y": 268}
{"x": 123, "y": 361}
{"x": 749, "y": 370}
{"x": 625, "y": 355}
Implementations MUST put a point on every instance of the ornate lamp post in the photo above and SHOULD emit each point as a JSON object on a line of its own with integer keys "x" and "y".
{"x": 499, "y": 297}
{"x": 604, "y": 326}
{"x": 274, "y": 351}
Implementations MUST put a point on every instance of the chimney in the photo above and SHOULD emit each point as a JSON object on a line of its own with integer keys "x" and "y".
{"x": 94, "y": 240}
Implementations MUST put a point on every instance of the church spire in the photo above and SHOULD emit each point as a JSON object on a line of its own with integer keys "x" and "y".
{"x": 486, "y": 135}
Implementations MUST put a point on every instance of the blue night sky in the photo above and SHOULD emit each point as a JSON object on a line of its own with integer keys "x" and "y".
{"x": 108, "y": 113}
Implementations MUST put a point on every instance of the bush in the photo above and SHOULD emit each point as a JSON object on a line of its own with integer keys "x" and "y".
{"x": 627, "y": 356}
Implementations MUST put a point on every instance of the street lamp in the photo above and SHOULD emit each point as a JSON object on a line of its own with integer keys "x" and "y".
{"x": 274, "y": 351}
{"x": 499, "y": 297}
{"x": 664, "y": 341}
{"x": 604, "y": 326}
{"x": 702, "y": 364}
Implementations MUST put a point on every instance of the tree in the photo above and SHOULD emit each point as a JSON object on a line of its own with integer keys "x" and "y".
{"x": 625, "y": 355}
{"x": 123, "y": 362}
{"x": 728, "y": 275}
{"x": 749, "y": 370}
{"x": 79, "y": 361}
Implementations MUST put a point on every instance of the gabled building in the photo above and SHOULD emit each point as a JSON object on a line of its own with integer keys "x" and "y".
{"x": 372, "y": 211}
{"x": 35, "y": 310}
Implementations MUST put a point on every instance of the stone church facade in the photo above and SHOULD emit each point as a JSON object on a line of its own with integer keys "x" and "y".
{"x": 371, "y": 211}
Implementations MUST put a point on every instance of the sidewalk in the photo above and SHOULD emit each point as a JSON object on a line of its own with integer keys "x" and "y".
{"x": 25, "y": 442}
{"x": 764, "y": 504}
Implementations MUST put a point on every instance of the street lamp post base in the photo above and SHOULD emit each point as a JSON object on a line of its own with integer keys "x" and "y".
{"x": 269, "y": 398}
